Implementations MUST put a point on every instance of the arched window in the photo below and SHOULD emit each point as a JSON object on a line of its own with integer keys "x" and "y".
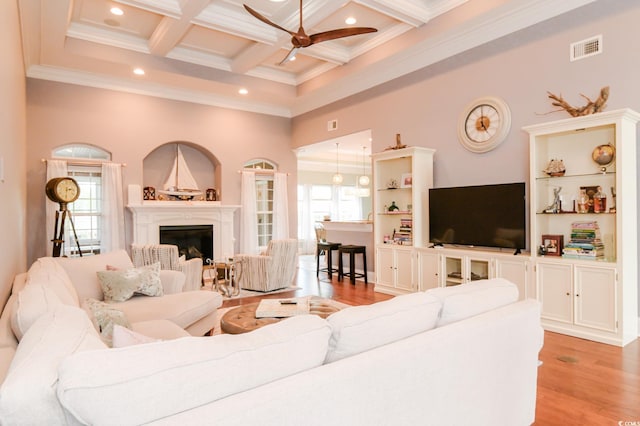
{"x": 264, "y": 198}
{"x": 84, "y": 164}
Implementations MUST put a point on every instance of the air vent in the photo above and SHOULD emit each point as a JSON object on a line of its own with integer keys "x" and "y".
{"x": 585, "y": 48}
{"x": 332, "y": 125}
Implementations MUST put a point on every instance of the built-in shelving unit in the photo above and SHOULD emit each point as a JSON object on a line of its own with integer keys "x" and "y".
{"x": 589, "y": 287}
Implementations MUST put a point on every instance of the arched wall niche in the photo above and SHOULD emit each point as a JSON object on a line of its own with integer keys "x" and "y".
{"x": 204, "y": 165}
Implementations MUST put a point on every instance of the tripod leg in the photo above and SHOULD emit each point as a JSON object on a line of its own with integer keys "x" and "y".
{"x": 73, "y": 228}
{"x": 57, "y": 243}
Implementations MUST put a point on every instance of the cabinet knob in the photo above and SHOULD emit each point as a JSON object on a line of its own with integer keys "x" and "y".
{"x": 568, "y": 294}
{"x": 577, "y": 295}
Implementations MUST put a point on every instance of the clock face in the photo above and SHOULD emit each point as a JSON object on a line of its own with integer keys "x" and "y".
{"x": 484, "y": 124}
{"x": 62, "y": 190}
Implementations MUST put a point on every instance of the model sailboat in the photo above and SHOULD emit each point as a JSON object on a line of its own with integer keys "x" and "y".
{"x": 180, "y": 182}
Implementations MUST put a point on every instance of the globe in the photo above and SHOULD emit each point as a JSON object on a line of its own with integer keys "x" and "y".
{"x": 603, "y": 154}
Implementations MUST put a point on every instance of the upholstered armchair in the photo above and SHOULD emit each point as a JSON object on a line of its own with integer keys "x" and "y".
{"x": 273, "y": 270}
{"x": 169, "y": 258}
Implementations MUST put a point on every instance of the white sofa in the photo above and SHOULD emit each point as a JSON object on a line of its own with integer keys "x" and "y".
{"x": 453, "y": 356}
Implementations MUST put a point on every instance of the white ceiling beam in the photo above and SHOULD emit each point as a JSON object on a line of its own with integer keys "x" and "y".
{"x": 170, "y": 31}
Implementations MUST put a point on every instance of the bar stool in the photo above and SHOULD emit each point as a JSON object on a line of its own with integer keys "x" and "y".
{"x": 352, "y": 250}
{"x": 328, "y": 248}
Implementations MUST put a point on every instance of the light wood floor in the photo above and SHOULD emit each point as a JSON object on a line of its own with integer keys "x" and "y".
{"x": 579, "y": 383}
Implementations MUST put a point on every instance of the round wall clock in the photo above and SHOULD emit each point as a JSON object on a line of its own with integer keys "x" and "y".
{"x": 62, "y": 190}
{"x": 484, "y": 124}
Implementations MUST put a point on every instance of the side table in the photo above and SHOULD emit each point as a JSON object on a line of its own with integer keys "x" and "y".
{"x": 226, "y": 276}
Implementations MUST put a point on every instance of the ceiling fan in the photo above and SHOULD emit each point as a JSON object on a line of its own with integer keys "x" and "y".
{"x": 301, "y": 39}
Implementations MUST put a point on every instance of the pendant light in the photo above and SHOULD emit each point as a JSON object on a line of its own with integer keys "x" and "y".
{"x": 364, "y": 179}
{"x": 337, "y": 178}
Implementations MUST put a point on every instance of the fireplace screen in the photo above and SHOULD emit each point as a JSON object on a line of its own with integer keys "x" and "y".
{"x": 193, "y": 241}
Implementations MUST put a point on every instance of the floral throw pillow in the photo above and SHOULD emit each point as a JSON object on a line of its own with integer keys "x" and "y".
{"x": 104, "y": 317}
{"x": 120, "y": 285}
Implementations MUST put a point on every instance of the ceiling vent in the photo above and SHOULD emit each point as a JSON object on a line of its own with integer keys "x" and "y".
{"x": 585, "y": 48}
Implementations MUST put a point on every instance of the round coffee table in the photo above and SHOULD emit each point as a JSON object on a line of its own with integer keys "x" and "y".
{"x": 243, "y": 318}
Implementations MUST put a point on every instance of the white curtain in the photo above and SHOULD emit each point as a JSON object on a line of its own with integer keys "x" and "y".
{"x": 55, "y": 168}
{"x": 249, "y": 222}
{"x": 306, "y": 229}
{"x": 280, "y": 207}
{"x": 112, "y": 227}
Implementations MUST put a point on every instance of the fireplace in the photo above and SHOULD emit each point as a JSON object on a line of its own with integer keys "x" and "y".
{"x": 149, "y": 216}
{"x": 193, "y": 241}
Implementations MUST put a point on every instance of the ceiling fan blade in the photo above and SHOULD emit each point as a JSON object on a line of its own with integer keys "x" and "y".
{"x": 290, "y": 55}
{"x": 340, "y": 33}
{"x": 266, "y": 21}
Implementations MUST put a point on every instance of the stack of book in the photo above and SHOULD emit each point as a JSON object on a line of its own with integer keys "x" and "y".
{"x": 404, "y": 235}
{"x": 585, "y": 243}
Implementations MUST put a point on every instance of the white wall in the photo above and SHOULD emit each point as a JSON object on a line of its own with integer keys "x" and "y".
{"x": 13, "y": 176}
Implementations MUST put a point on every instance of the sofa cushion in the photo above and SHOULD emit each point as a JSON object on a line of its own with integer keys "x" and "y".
{"x": 120, "y": 285}
{"x": 104, "y": 317}
{"x": 31, "y": 303}
{"x": 360, "y": 328}
{"x": 159, "y": 329}
{"x": 82, "y": 271}
{"x": 123, "y": 336}
{"x": 207, "y": 368}
{"x": 181, "y": 308}
{"x": 28, "y": 393}
{"x": 469, "y": 299}
{"x": 48, "y": 272}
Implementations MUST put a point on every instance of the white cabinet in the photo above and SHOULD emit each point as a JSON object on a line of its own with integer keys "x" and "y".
{"x": 589, "y": 285}
{"x": 394, "y": 270}
{"x": 428, "y": 269}
{"x": 442, "y": 267}
{"x": 461, "y": 268}
{"x": 577, "y": 298}
{"x": 515, "y": 269}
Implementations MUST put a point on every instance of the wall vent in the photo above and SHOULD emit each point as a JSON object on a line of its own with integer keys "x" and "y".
{"x": 585, "y": 48}
{"x": 332, "y": 125}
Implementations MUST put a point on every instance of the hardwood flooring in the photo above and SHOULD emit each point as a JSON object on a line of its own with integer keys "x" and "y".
{"x": 579, "y": 383}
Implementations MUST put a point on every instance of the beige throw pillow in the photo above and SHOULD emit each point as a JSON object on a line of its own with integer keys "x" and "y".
{"x": 120, "y": 285}
{"x": 105, "y": 317}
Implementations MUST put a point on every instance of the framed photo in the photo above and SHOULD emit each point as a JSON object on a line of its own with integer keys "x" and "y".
{"x": 553, "y": 244}
{"x": 590, "y": 190}
{"x": 406, "y": 180}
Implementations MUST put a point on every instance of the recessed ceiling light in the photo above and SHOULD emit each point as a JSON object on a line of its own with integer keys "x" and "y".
{"x": 117, "y": 11}
{"x": 350, "y": 20}
{"x": 138, "y": 71}
{"x": 243, "y": 91}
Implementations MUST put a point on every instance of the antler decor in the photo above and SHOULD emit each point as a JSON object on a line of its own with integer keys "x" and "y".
{"x": 590, "y": 108}
{"x": 398, "y": 145}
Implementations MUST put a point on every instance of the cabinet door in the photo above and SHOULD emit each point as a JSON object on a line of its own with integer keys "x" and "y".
{"x": 554, "y": 291}
{"x": 385, "y": 272}
{"x": 404, "y": 269}
{"x": 595, "y": 297}
{"x": 453, "y": 270}
{"x": 477, "y": 269}
{"x": 517, "y": 272}
{"x": 427, "y": 271}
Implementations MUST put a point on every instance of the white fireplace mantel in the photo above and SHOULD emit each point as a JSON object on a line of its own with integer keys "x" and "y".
{"x": 148, "y": 216}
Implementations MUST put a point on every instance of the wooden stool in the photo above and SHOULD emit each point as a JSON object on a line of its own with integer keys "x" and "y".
{"x": 352, "y": 250}
{"x": 328, "y": 248}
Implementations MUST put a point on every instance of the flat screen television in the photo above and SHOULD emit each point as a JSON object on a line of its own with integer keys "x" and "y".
{"x": 482, "y": 215}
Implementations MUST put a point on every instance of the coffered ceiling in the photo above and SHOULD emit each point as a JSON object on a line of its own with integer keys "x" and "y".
{"x": 204, "y": 51}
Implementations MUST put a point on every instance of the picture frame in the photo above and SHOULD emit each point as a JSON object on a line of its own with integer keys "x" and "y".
{"x": 406, "y": 181}
{"x": 590, "y": 190}
{"x": 553, "y": 244}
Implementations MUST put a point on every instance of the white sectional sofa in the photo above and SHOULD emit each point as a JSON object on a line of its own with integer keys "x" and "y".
{"x": 454, "y": 356}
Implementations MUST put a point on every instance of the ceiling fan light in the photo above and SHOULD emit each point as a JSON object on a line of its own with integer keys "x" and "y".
{"x": 363, "y": 180}
{"x": 350, "y": 20}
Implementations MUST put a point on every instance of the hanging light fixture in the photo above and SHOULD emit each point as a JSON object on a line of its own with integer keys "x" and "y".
{"x": 337, "y": 178}
{"x": 364, "y": 179}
